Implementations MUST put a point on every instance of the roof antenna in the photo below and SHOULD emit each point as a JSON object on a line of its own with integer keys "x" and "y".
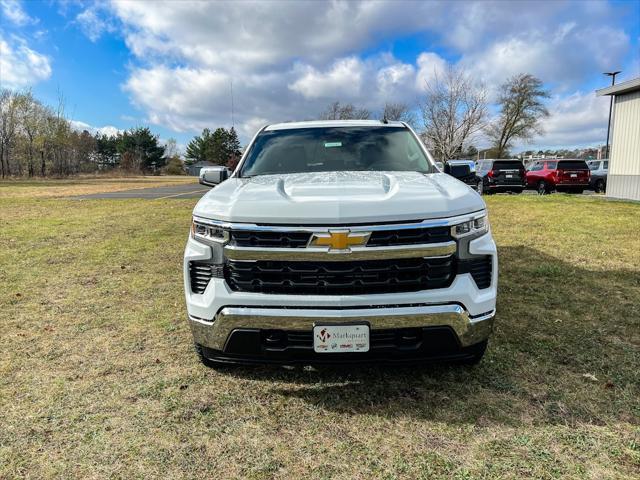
{"x": 233, "y": 123}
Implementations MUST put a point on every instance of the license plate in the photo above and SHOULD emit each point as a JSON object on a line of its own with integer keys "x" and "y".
{"x": 341, "y": 338}
{"x": 574, "y": 175}
{"x": 509, "y": 176}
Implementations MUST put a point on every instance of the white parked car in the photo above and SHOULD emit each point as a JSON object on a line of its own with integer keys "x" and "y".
{"x": 339, "y": 242}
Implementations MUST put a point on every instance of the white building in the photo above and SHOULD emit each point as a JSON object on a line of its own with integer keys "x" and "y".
{"x": 623, "y": 180}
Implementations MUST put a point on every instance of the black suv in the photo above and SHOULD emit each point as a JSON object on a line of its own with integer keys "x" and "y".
{"x": 500, "y": 176}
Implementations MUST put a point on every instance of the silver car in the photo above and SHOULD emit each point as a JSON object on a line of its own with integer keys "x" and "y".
{"x": 599, "y": 170}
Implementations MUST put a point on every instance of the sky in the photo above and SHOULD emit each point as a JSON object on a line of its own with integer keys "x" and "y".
{"x": 172, "y": 65}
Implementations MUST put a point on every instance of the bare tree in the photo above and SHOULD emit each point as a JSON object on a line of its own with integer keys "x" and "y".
{"x": 171, "y": 148}
{"x": 32, "y": 121}
{"x": 453, "y": 111}
{"x": 399, "y": 112}
{"x": 348, "y": 111}
{"x": 521, "y": 110}
{"x": 8, "y": 126}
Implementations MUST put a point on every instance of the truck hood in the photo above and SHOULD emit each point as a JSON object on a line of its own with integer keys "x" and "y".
{"x": 338, "y": 198}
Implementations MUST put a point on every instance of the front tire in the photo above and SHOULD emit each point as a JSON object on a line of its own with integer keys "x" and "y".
{"x": 599, "y": 186}
{"x": 543, "y": 189}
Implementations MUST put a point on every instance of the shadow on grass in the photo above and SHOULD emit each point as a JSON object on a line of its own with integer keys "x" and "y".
{"x": 557, "y": 324}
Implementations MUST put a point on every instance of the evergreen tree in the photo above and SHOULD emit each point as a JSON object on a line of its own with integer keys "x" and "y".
{"x": 140, "y": 150}
{"x": 234, "y": 143}
{"x": 107, "y": 150}
{"x": 217, "y": 147}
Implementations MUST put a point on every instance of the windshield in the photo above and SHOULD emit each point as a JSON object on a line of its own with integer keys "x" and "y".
{"x": 507, "y": 165}
{"x": 573, "y": 165}
{"x": 335, "y": 149}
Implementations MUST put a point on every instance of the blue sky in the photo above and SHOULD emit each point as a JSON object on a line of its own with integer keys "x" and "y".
{"x": 170, "y": 65}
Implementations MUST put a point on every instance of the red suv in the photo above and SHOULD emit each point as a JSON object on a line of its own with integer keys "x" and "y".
{"x": 561, "y": 175}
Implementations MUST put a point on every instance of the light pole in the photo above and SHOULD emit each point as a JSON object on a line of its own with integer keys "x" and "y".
{"x": 613, "y": 82}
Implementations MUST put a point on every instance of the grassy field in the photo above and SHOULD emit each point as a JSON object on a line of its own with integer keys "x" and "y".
{"x": 48, "y": 188}
{"x": 98, "y": 378}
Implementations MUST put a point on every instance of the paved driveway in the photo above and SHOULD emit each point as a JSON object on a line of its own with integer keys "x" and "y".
{"x": 191, "y": 190}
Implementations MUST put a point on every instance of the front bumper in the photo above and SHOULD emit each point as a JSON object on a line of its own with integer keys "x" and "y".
{"x": 238, "y": 327}
{"x": 218, "y": 334}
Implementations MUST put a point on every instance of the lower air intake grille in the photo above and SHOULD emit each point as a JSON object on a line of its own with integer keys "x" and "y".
{"x": 340, "y": 278}
{"x": 479, "y": 268}
{"x": 200, "y": 273}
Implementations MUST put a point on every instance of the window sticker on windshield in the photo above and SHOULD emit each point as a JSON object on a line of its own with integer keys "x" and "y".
{"x": 332, "y": 144}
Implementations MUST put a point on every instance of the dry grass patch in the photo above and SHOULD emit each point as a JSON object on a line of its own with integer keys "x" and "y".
{"x": 98, "y": 379}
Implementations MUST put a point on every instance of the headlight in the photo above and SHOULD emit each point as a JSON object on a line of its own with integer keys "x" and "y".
{"x": 208, "y": 233}
{"x": 475, "y": 227}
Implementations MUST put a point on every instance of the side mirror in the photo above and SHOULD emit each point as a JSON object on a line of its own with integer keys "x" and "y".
{"x": 440, "y": 166}
{"x": 213, "y": 176}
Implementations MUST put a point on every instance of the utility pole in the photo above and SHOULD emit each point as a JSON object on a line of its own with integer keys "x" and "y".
{"x": 613, "y": 82}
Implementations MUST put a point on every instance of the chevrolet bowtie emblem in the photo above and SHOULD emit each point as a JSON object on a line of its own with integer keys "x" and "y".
{"x": 339, "y": 241}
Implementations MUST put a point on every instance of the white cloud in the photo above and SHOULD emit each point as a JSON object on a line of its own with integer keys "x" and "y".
{"x": 344, "y": 78}
{"x": 251, "y": 125}
{"x": 395, "y": 76}
{"x": 254, "y": 35}
{"x": 12, "y": 10}
{"x": 288, "y": 59}
{"x": 108, "y": 130}
{"x": 579, "y": 119}
{"x": 180, "y": 98}
{"x": 563, "y": 58}
{"x": 20, "y": 66}
{"x": 94, "y": 23}
{"x": 429, "y": 65}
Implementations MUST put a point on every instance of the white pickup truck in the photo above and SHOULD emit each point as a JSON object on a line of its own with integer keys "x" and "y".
{"x": 339, "y": 242}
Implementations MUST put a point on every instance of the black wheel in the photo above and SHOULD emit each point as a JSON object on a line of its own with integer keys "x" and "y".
{"x": 480, "y": 188}
{"x": 542, "y": 188}
{"x": 477, "y": 352}
{"x": 599, "y": 186}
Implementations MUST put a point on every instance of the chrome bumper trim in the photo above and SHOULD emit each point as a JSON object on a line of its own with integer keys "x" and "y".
{"x": 443, "y": 249}
{"x": 469, "y": 330}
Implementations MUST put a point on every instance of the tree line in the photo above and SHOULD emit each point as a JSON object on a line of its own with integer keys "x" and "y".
{"x": 38, "y": 140}
{"x": 454, "y": 113}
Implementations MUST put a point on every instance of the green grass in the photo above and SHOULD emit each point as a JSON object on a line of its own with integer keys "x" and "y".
{"x": 98, "y": 378}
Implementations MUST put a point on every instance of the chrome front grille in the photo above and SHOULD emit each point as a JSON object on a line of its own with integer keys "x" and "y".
{"x": 333, "y": 260}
